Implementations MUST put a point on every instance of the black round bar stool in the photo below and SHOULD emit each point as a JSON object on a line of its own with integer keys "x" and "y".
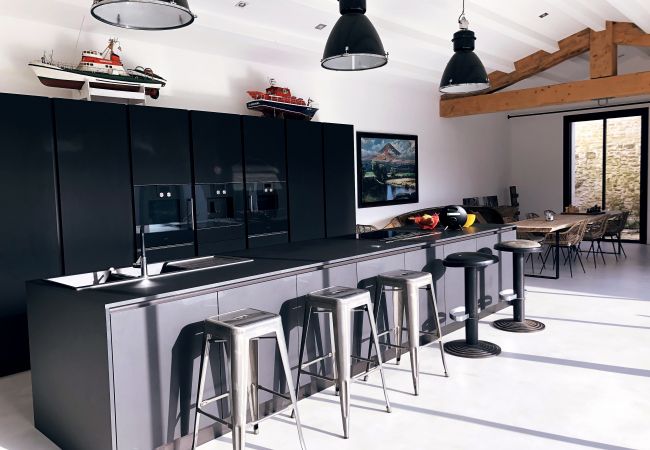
{"x": 471, "y": 346}
{"x": 520, "y": 250}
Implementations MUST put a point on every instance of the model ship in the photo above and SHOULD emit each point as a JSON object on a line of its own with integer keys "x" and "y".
{"x": 278, "y": 102}
{"x": 101, "y": 70}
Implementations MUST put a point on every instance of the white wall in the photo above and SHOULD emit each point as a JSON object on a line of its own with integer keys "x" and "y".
{"x": 458, "y": 157}
{"x": 536, "y": 158}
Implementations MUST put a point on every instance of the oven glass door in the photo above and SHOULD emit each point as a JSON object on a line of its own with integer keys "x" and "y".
{"x": 165, "y": 214}
{"x": 219, "y": 205}
{"x": 267, "y": 207}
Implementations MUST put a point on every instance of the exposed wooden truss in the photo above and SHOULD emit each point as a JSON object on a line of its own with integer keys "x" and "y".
{"x": 572, "y": 46}
{"x": 577, "y": 91}
{"x": 603, "y": 83}
{"x": 630, "y": 34}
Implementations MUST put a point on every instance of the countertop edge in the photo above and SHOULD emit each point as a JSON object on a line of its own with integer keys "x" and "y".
{"x": 414, "y": 245}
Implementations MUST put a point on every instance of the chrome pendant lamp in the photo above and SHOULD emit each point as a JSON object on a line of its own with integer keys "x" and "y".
{"x": 465, "y": 72}
{"x": 143, "y": 14}
{"x": 354, "y": 43}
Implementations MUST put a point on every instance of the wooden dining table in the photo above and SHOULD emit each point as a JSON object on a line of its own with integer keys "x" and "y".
{"x": 561, "y": 223}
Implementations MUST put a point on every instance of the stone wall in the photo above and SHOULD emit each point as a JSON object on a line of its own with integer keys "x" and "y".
{"x": 623, "y": 176}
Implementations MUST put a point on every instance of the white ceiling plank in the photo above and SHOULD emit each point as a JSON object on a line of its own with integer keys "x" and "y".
{"x": 499, "y": 23}
{"x": 635, "y": 11}
{"x": 579, "y": 13}
{"x": 272, "y": 37}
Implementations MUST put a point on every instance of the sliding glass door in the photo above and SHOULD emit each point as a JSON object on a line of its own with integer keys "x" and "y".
{"x": 606, "y": 165}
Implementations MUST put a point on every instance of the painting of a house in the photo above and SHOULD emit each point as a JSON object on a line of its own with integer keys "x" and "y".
{"x": 388, "y": 169}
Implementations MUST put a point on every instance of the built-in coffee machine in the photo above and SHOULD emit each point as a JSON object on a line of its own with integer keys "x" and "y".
{"x": 267, "y": 212}
{"x": 220, "y": 217}
{"x": 166, "y": 213}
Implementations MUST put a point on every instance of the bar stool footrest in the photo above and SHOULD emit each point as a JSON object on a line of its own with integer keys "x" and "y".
{"x": 315, "y": 375}
{"x": 527, "y": 326}
{"x": 483, "y": 349}
{"x": 215, "y": 418}
{"x": 508, "y": 296}
{"x": 458, "y": 314}
{"x": 316, "y": 360}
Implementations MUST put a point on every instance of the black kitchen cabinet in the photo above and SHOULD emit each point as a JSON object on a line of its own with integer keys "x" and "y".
{"x": 340, "y": 200}
{"x": 162, "y": 180}
{"x": 266, "y": 181}
{"x": 305, "y": 180}
{"x": 29, "y": 227}
{"x": 218, "y": 182}
{"x": 160, "y": 146}
{"x": 95, "y": 185}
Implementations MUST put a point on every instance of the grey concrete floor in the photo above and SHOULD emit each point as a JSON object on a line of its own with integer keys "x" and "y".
{"x": 584, "y": 382}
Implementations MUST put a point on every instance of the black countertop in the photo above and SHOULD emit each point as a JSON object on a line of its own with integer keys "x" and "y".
{"x": 269, "y": 262}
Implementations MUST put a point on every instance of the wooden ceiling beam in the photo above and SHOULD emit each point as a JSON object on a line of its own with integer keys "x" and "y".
{"x": 627, "y": 85}
{"x": 603, "y": 53}
{"x": 629, "y": 34}
{"x": 580, "y": 13}
{"x": 570, "y": 47}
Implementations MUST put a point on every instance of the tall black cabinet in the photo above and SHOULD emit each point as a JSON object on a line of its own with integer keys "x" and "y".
{"x": 29, "y": 226}
{"x": 95, "y": 185}
{"x": 162, "y": 181}
{"x": 340, "y": 201}
{"x": 305, "y": 180}
{"x": 219, "y": 194}
{"x": 266, "y": 181}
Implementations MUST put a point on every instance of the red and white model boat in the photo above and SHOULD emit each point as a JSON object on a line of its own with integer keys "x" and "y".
{"x": 101, "y": 70}
{"x": 278, "y": 102}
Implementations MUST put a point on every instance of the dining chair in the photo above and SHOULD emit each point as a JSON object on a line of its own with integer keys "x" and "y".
{"x": 615, "y": 227}
{"x": 594, "y": 234}
{"x": 569, "y": 242}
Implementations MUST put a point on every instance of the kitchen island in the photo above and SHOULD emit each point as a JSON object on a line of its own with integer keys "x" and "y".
{"x": 115, "y": 366}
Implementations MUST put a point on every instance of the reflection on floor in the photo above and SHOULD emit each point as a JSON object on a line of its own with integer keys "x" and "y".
{"x": 581, "y": 383}
{"x": 626, "y": 278}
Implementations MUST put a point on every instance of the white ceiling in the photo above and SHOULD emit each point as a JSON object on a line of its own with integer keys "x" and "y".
{"x": 416, "y": 33}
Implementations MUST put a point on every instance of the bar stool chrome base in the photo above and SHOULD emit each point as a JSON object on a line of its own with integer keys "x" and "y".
{"x": 483, "y": 349}
{"x": 341, "y": 303}
{"x": 511, "y": 325}
{"x": 405, "y": 285}
{"x": 239, "y": 332}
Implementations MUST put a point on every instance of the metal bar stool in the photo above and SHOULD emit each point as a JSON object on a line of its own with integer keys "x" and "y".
{"x": 471, "y": 346}
{"x": 405, "y": 286}
{"x": 240, "y": 332}
{"x": 520, "y": 249}
{"x": 340, "y": 303}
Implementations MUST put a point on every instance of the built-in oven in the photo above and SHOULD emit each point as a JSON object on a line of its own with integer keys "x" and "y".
{"x": 267, "y": 212}
{"x": 166, "y": 215}
{"x": 220, "y": 217}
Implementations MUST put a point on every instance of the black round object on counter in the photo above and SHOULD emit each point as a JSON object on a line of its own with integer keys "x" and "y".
{"x": 453, "y": 217}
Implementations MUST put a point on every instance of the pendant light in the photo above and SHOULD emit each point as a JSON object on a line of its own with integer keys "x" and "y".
{"x": 465, "y": 72}
{"x": 143, "y": 14}
{"x": 354, "y": 43}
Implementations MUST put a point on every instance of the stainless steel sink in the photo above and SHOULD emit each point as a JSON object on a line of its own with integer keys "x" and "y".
{"x": 126, "y": 275}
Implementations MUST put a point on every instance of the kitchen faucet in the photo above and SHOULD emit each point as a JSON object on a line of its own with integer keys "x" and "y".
{"x": 142, "y": 260}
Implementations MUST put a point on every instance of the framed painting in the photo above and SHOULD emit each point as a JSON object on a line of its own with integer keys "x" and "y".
{"x": 387, "y": 169}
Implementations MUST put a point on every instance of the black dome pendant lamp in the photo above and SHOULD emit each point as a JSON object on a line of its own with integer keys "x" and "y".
{"x": 354, "y": 43}
{"x": 465, "y": 72}
{"x": 143, "y": 14}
